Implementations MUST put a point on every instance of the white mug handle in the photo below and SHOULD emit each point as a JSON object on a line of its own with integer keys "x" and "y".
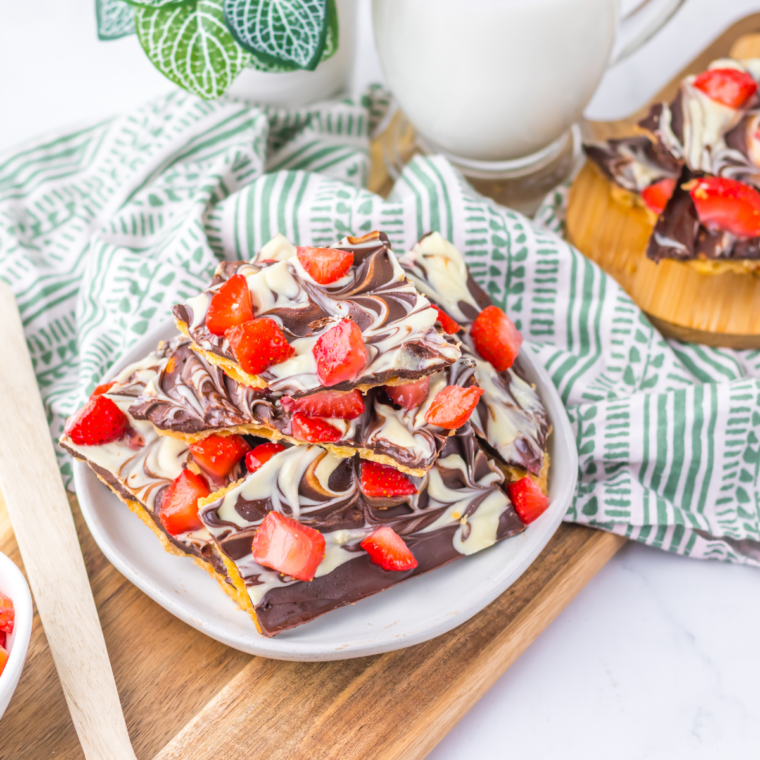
{"x": 638, "y": 35}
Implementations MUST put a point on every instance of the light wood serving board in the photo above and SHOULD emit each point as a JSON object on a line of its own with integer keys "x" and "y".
{"x": 715, "y": 310}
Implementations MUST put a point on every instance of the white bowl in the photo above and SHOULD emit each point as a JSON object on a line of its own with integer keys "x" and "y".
{"x": 13, "y": 585}
{"x": 410, "y": 613}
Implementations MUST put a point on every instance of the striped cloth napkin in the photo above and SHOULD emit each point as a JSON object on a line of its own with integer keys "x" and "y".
{"x": 104, "y": 228}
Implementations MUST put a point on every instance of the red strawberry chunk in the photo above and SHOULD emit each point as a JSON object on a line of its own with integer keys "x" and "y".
{"x": 104, "y": 388}
{"x": 340, "y": 354}
{"x": 452, "y": 406}
{"x": 496, "y": 339}
{"x": 3, "y": 659}
{"x": 230, "y": 306}
{"x": 730, "y": 87}
{"x": 345, "y": 406}
{"x": 98, "y": 422}
{"x": 7, "y": 614}
{"x": 387, "y": 549}
{"x": 382, "y": 481}
{"x": 261, "y": 454}
{"x": 179, "y": 509}
{"x": 409, "y": 395}
{"x": 313, "y": 430}
{"x": 258, "y": 344}
{"x": 447, "y": 323}
{"x": 218, "y": 454}
{"x": 657, "y": 195}
{"x": 325, "y": 265}
{"x": 529, "y": 500}
{"x": 3, "y": 638}
{"x": 288, "y": 547}
{"x": 727, "y": 205}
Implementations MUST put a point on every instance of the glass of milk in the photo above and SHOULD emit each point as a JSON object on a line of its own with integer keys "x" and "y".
{"x": 497, "y": 85}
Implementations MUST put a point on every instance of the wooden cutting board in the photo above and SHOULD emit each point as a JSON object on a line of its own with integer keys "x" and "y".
{"x": 187, "y": 697}
{"x": 715, "y": 310}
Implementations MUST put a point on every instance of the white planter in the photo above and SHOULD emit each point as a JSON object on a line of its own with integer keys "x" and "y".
{"x": 297, "y": 88}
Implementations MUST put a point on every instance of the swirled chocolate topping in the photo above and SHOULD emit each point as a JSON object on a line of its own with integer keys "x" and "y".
{"x": 679, "y": 234}
{"x": 192, "y": 397}
{"x": 460, "y": 509}
{"x": 397, "y": 323}
{"x": 510, "y": 417}
{"x": 140, "y": 467}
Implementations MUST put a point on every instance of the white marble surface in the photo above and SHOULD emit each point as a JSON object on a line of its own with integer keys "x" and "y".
{"x": 657, "y": 657}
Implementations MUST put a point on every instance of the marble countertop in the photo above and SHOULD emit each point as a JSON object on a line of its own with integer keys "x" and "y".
{"x": 657, "y": 656}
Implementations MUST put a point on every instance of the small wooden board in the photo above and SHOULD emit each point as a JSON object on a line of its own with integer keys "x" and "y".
{"x": 715, "y": 310}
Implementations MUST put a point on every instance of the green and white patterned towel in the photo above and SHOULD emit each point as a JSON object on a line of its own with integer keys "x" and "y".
{"x": 103, "y": 229}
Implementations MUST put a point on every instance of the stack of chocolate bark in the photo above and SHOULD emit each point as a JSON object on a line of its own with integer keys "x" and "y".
{"x": 329, "y": 422}
{"x": 696, "y": 168}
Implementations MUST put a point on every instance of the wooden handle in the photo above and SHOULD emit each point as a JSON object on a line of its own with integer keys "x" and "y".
{"x": 44, "y": 528}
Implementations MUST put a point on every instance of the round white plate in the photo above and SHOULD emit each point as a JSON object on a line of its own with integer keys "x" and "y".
{"x": 407, "y": 614}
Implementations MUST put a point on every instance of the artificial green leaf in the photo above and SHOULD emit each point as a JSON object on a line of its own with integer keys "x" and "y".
{"x": 280, "y": 30}
{"x": 155, "y": 3}
{"x": 115, "y": 19}
{"x": 191, "y": 45}
{"x": 331, "y": 46}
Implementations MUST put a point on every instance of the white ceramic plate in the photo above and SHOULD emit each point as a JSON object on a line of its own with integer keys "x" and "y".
{"x": 407, "y": 614}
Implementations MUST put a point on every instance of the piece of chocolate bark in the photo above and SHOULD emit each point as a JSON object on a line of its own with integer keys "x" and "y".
{"x": 509, "y": 418}
{"x": 141, "y": 466}
{"x": 460, "y": 508}
{"x": 679, "y": 235}
{"x": 367, "y": 328}
{"x": 190, "y": 398}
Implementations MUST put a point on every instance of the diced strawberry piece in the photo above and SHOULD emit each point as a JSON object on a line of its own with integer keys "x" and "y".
{"x": 727, "y": 205}
{"x": 387, "y": 549}
{"x": 230, "y": 306}
{"x": 98, "y": 422}
{"x": 3, "y": 659}
{"x": 447, "y": 323}
{"x": 496, "y": 339}
{"x": 381, "y": 480}
{"x": 657, "y": 195}
{"x": 218, "y": 454}
{"x": 340, "y": 354}
{"x": 7, "y": 614}
{"x": 3, "y": 638}
{"x": 325, "y": 265}
{"x": 452, "y": 406}
{"x": 288, "y": 547}
{"x": 104, "y": 388}
{"x": 258, "y": 344}
{"x": 345, "y": 406}
{"x": 179, "y": 509}
{"x": 730, "y": 87}
{"x": 313, "y": 430}
{"x": 409, "y": 395}
{"x": 261, "y": 454}
{"x": 529, "y": 500}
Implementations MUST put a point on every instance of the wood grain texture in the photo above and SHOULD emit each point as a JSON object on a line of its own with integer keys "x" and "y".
{"x": 44, "y": 528}
{"x": 716, "y": 310}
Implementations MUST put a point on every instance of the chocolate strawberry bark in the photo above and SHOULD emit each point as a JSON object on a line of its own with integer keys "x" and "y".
{"x": 404, "y": 426}
{"x": 709, "y": 221}
{"x": 308, "y": 532}
{"x": 509, "y": 417}
{"x": 299, "y": 320}
{"x": 152, "y": 474}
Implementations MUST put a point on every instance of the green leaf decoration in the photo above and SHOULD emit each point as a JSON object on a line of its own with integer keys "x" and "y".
{"x": 278, "y": 31}
{"x": 155, "y": 3}
{"x": 115, "y": 19}
{"x": 191, "y": 45}
{"x": 331, "y": 46}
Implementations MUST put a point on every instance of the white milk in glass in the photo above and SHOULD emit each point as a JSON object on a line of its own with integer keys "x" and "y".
{"x": 494, "y": 80}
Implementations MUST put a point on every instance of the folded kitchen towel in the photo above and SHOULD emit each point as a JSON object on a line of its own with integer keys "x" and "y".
{"x": 104, "y": 228}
